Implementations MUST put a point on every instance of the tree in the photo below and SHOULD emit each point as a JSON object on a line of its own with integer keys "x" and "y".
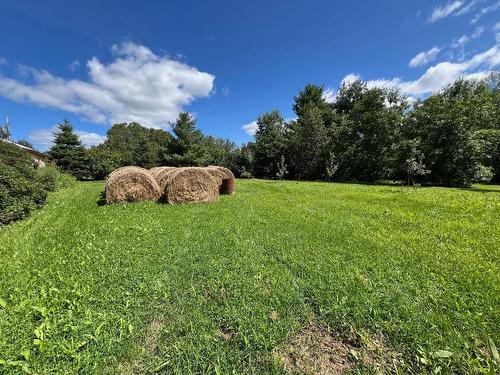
{"x": 269, "y": 144}
{"x": 102, "y": 161}
{"x": 220, "y": 151}
{"x": 307, "y": 138}
{"x": 487, "y": 145}
{"x": 24, "y": 143}
{"x": 444, "y": 124}
{"x": 367, "y": 125}
{"x": 415, "y": 162}
{"x": 308, "y": 141}
{"x": 137, "y": 145}
{"x": 245, "y": 161}
{"x": 313, "y": 96}
{"x": 332, "y": 165}
{"x": 68, "y": 153}
{"x": 186, "y": 148}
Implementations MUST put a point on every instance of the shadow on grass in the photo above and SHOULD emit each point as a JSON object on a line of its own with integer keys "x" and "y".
{"x": 482, "y": 189}
{"x": 102, "y": 199}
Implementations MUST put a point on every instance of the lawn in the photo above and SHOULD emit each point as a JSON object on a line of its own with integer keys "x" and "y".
{"x": 224, "y": 287}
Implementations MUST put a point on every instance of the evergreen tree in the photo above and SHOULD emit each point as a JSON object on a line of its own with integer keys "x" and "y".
{"x": 68, "y": 153}
{"x": 269, "y": 144}
{"x": 187, "y": 146}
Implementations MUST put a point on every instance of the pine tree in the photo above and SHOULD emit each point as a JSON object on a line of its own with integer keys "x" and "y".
{"x": 68, "y": 153}
{"x": 187, "y": 146}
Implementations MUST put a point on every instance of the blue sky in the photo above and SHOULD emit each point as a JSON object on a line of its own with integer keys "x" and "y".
{"x": 96, "y": 63}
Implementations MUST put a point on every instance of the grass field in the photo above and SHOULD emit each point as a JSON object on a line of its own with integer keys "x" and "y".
{"x": 228, "y": 287}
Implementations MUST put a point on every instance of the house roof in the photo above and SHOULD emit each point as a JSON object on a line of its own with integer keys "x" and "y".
{"x": 28, "y": 149}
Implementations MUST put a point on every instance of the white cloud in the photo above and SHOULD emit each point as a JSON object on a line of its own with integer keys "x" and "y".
{"x": 460, "y": 42}
{"x": 466, "y": 9}
{"x": 350, "y": 78}
{"x": 43, "y": 138}
{"x": 440, "y": 12}
{"x": 485, "y": 10}
{"x": 496, "y": 27}
{"x": 137, "y": 86}
{"x": 329, "y": 95}
{"x": 250, "y": 128}
{"x": 90, "y": 139}
{"x": 477, "y": 32}
{"x": 74, "y": 65}
{"x": 424, "y": 57}
{"x": 443, "y": 73}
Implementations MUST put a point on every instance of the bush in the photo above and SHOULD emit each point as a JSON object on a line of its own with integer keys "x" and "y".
{"x": 23, "y": 187}
{"x": 52, "y": 179}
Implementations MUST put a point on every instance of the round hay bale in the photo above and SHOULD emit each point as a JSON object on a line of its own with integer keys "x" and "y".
{"x": 224, "y": 177}
{"x": 161, "y": 174}
{"x": 227, "y": 172}
{"x": 191, "y": 185}
{"x": 131, "y": 184}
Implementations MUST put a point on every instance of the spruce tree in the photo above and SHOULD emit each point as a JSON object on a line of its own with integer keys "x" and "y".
{"x": 187, "y": 146}
{"x": 68, "y": 153}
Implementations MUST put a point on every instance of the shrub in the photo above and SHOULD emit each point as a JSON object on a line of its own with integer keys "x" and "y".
{"x": 23, "y": 187}
{"x": 52, "y": 179}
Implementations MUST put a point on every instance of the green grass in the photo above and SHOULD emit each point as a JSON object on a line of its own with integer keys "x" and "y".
{"x": 80, "y": 283}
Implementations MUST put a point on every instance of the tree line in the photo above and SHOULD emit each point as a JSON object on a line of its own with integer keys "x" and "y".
{"x": 367, "y": 134}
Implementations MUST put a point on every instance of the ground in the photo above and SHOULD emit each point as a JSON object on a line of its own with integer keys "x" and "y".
{"x": 281, "y": 277}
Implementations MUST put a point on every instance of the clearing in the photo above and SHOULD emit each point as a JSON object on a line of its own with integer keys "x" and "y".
{"x": 377, "y": 277}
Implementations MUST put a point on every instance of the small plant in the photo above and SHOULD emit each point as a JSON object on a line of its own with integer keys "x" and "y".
{"x": 415, "y": 163}
{"x": 331, "y": 166}
{"x": 281, "y": 168}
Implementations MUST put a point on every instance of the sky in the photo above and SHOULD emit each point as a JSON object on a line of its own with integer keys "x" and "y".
{"x": 97, "y": 63}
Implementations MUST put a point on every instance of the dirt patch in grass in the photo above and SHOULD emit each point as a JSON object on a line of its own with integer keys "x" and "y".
{"x": 149, "y": 345}
{"x": 316, "y": 350}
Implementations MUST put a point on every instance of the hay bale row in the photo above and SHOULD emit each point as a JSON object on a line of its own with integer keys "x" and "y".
{"x": 131, "y": 184}
{"x": 176, "y": 185}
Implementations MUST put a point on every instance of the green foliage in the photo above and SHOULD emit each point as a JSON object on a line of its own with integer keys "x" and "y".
{"x": 221, "y": 152}
{"x": 186, "y": 148}
{"x": 487, "y": 145}
{"x": 368, "y": 123}
{"x": 52, "y": 179}
{"x": 144, "y": 287}
{"x": 22, "y": 186}
{"x": 443, "y": 125}
{"x": 308, "y": 141}
{"x": 102, "y": 161}
{"x": 269, "y": 145}
{"x": 68, "y": 153}
{"x": 245, "y": 161}
{"x": 133, "y": 144}
{"x": 25, "y": 143}
{"x": 451, "y": 138}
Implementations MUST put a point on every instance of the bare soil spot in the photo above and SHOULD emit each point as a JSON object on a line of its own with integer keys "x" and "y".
{"x": 225, "y": 331}
{"x": 150, "y": 343}
{"x": 316, "y": 350}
